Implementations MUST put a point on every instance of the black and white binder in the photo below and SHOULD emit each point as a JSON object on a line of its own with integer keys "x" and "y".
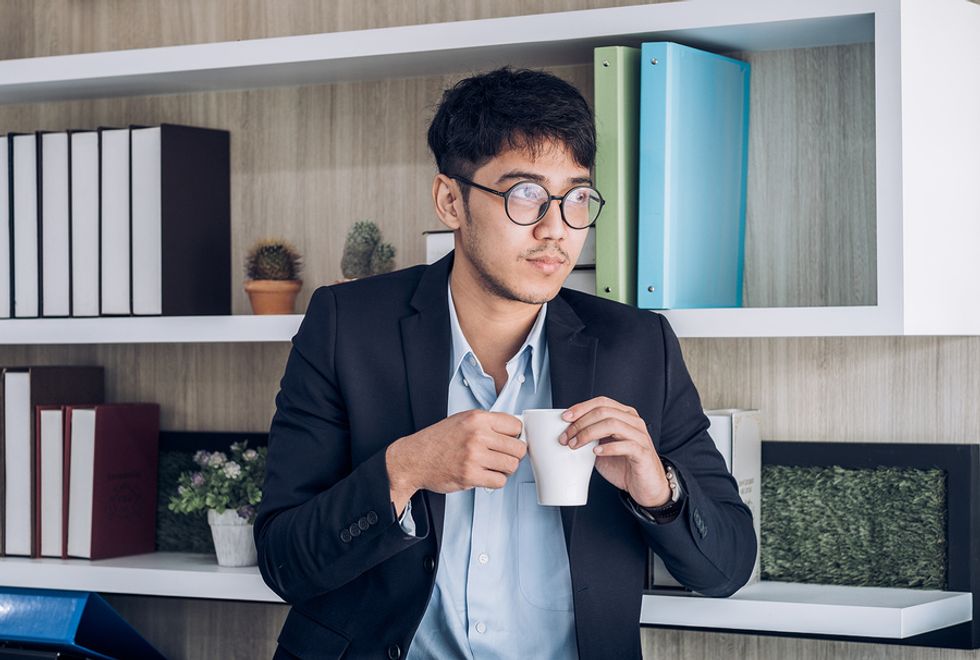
{"x": 115, "y": 238}
{"x": 24, "y": 239}
{"x": 84, "y": 223}
{"x": 55, "y": 224}
{"x": 181, "y": 221}
{"x": 6, "y": 256}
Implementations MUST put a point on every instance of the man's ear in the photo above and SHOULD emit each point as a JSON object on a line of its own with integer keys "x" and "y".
{"x": 447, "y": 201}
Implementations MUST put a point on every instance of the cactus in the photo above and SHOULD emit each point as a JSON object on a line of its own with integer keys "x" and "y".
{"x": 383, "y": 259}
{"x": 364, "y": 252}
{"x": 273, "y": 259}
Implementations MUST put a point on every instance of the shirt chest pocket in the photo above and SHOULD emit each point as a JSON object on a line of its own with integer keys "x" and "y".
{"x": 542, "y": 563}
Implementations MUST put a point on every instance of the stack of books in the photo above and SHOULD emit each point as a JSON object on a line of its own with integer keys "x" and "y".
{"x": 79, "y": 475}
{"x": 115, "y": 222}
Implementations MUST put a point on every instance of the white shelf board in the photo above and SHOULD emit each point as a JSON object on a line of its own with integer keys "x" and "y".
{"x": 815, "y": 609}
{"x": 786, "y": 321}
{"x": 151, "y": 329}
{"x": 437, "y": 48}
{"x": 182, "y": 575}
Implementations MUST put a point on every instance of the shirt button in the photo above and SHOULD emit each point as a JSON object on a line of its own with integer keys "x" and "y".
{"x": 484, "y": 558}
{"x": 473, "y": 360}
{"x": 489, "y": 490}
{"x": 481, "y": 627}
{"x": 521, "y": 379}
{"x": 466, "y": 383}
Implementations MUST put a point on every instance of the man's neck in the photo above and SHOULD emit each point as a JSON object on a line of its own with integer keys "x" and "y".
{"x": 495, "y": 328}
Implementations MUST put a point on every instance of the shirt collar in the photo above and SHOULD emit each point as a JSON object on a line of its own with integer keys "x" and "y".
{"x": 534, "y": 342}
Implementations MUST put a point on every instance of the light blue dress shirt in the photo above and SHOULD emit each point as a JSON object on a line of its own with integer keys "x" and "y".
{"x": 503, "y": 588}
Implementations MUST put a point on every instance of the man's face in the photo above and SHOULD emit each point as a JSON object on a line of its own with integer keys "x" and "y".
{"x": 526, "y": 264}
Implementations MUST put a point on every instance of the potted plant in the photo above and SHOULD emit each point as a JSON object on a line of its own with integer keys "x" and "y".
{"x": 365, "y": 253}
{"x": 272, "y": 269}
{"x": 229, "y": 489}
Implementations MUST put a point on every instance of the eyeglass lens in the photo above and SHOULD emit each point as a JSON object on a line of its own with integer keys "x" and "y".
{"x": 528, "y": 202}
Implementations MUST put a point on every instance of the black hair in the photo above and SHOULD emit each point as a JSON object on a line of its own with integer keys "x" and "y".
{"x": 481, "y": 116}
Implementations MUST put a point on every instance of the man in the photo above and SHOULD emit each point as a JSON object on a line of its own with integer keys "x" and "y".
{"x": 399, "y": 517}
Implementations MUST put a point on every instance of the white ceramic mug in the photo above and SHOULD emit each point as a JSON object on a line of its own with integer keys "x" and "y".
{"x": 562, "y": 474}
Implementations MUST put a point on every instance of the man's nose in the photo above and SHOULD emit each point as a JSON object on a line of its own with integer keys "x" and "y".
{"x": 551, "y": 226}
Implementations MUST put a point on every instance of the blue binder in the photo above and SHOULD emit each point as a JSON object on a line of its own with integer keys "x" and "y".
{"x": 69, "y": 621}
{"x": 694, "y": 122}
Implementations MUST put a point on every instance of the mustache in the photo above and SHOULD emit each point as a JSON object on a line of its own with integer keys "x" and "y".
{"x": 556, "y": 253}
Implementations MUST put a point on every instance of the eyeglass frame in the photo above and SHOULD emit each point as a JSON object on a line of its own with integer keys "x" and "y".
{"x": 551, "y": 198}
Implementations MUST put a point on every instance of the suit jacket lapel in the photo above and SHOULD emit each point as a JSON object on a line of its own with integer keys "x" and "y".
{"x": 572, "y": 356}
{"x": 427, "y": 345}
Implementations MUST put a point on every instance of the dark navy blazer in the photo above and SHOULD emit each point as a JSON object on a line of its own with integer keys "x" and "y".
{"x": 369, "y": 365}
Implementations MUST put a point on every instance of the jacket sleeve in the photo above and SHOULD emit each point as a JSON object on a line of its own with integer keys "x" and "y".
{"x": 322, "y": 522}
{"x": 710, "y": 546}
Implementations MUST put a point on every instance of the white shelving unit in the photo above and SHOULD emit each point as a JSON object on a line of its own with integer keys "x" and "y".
{"x": 762, "y": 607}
{"x": 927, "y": 139}
{"x": 816, "y": 609}
{"x": 927, "y": 165}
{"x": 151, "y": 329}
{"x": 177, "y": 574}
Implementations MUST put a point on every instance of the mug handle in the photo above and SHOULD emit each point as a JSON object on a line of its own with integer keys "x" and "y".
{"x": 523, "y": 435}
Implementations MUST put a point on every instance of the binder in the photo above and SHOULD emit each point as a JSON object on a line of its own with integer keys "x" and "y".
{"x": 115, "y": 268}
{"x": 58, "y": 620}
{"x": 6, "y": 230}
{"x": 22, "y": 389}
{"x": 55, "y": 224}
{"x": 693, "y": 159}
{"x": 25, "y": 211}
{"x": 111, "y": 454}
{"x": 84, "y": 187}
{"x": 49, "y": 442}
{"x": 181, "y": 221}
{"x": 617, "y": 117}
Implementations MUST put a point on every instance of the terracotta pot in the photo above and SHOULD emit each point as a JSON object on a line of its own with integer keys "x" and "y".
{"x": 234, "y": 543}
{"x": 273, "y": 296}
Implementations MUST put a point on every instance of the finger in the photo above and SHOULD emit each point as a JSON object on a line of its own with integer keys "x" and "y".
{"x": 608, "y": 428}
{"x": 629, "y": 450}
{"x": 579, "y": 409}
{"x": 506, "y": 444}
{"x": 500, "y": 462}
{"x": 491, "y": 479}
{"x": 505, "y": 424}
{"x": 597, "y": 414}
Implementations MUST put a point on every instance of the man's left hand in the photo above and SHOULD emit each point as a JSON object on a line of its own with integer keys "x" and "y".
{"x": 625, "y": 455}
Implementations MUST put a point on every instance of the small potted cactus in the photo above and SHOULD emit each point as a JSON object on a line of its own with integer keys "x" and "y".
{"x": 365, "y": 254}
{"x": 272, "y": 270}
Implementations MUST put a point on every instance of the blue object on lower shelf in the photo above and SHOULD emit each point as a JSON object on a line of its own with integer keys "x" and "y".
{"x": 71, "y": 621}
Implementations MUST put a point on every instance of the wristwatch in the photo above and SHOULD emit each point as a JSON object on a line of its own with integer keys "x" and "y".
{"x": 666, "y": 512}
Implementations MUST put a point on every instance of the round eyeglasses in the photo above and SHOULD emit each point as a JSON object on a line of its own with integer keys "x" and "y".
{"x": 526, "y": 202}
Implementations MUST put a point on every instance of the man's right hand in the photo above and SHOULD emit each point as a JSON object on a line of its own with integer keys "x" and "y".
{"x": 475, "y": 448}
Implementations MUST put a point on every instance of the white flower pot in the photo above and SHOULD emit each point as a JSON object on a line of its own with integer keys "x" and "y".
{"x": 233, "y": 540}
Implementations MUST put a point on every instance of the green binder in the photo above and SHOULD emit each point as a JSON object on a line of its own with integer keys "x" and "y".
{"x": 617, "y": 117}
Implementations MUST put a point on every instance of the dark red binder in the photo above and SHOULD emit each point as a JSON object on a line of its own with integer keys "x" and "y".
{"x": 123, "y": 490}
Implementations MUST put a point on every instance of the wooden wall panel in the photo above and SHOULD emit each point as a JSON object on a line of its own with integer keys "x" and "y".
{"x": 810, "y": 221}
{"x": 292, "y": 174}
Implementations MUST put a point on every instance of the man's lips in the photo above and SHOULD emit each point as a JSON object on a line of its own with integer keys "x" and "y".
{"x": 547, "y": 265}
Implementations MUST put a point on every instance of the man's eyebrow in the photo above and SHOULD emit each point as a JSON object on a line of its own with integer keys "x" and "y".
{"x": 537, "y": 178}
